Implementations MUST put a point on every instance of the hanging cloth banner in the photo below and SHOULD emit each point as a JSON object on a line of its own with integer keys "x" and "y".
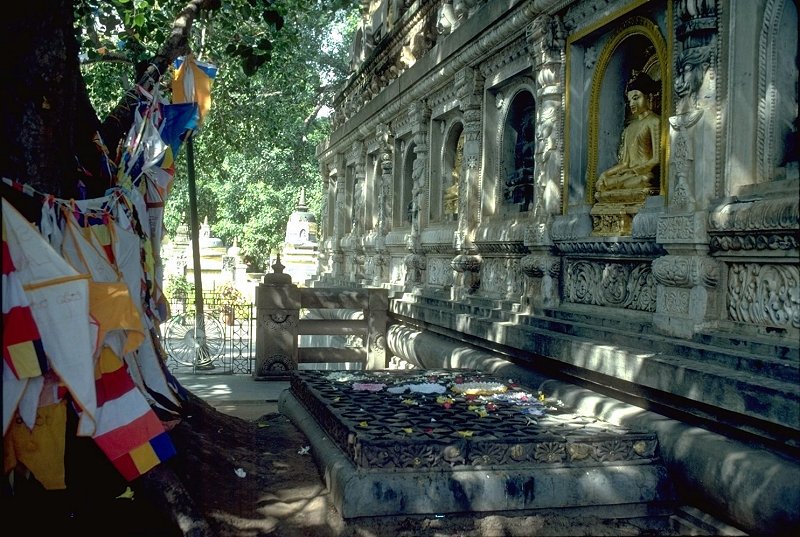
{"x": 59, "y": 301}
{"x": 192, "y": 84}
{"x": 22, "y": 346}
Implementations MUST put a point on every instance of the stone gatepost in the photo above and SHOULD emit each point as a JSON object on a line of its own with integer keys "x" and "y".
{"x": 277, "y": 315}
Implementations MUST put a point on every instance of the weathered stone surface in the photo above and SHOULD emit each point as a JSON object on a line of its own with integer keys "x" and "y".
{"x": 430, "y": 449}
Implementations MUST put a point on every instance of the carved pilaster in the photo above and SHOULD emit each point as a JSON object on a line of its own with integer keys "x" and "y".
{"x": 469, "y": 268}
{"x": 338, "y": 186}
{"x": 688, "y": 296}
{"x": 686, "y": 292}
{"x": 541, "y": 286}
{"x": 469, "y": 90}
{"x": 547, "y": 39}
{"x": 420, "y": 115}
{"x": 694, "y": 126}
{"x": 383, "y": 186}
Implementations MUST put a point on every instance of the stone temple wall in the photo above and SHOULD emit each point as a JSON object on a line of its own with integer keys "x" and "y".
{"x": 488, "y": 167}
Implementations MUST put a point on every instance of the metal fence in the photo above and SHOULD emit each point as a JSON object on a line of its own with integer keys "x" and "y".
{"x": 222, "y": 341}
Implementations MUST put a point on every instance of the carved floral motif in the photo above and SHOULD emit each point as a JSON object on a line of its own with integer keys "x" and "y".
{"x": 675, "y": 228}
{"x": 439, "y": 271}
{"x": 686, "y": 271}
{"x": 537, "y": 266}
{"x": 278, "y": 320}
{"x": 767, "y": 295}
{"x": 620, "y": 285}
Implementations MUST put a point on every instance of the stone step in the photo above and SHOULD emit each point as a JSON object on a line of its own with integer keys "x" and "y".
{"x": 740, "y": 355}
{"x": 702, "y": 380}
{"x": 689, "y": 520}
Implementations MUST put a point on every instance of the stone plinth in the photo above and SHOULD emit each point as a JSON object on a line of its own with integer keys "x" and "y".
{"x": 444, "y": 441}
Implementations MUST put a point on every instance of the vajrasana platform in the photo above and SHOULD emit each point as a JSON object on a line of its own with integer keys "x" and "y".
{"x": 445, "y": 441}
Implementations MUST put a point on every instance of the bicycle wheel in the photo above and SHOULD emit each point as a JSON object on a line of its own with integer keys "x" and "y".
{"x": 192, "y": 345}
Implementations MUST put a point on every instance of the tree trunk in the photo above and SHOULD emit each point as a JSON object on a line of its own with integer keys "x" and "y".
{"x": 47, "y": 141}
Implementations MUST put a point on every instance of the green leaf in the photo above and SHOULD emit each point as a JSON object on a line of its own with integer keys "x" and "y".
{"x": 273, "y": 17}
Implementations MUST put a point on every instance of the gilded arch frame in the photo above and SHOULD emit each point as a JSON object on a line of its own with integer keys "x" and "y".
{"x": 635, "y": 25}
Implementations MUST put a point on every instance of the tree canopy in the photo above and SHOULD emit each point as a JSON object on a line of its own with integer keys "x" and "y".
{"x": 280, "y": 62}
{"x": 68, "y": 101}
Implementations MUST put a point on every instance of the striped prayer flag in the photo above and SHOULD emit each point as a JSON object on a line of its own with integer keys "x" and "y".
{"x": 22, "y": 345}
{"x": 128, "y": 431}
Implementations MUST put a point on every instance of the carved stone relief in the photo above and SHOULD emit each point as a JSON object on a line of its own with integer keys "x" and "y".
{"x": 501, "y": 277}
{"x": 439, "y": 271}
{"x": 686, "y": 271}
{"x": 766, "y": 295}
{"x": 675, "y": 301}
{"x": 764, "y": 224}
{"x": 537, "y": 266}
{"x": 613, "y": 284}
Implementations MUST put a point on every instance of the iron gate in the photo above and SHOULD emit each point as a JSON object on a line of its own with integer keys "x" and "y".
{"x": 223, "y": 341}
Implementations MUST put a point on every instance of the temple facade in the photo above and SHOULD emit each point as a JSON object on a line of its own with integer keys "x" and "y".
{"x": 605, "y": 192}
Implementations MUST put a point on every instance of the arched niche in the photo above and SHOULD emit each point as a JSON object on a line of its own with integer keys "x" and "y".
{"x": 517, "y": 151}
{"x": 452, "y": 164}
{"x": 777, "y": 90}
{"x": 637, "y": 46}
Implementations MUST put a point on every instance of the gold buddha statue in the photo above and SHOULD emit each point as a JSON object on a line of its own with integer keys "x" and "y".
{"x": 636, "y": 174}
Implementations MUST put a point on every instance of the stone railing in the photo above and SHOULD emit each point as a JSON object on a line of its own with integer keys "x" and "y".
{"x": 283, "y": 309}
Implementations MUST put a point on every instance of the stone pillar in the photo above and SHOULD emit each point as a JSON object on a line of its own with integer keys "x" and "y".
{"x": 277, "y": 316}
{"x": 358, "y": 208}
{"x": 469, "y": 88}
{"x": 386, "y": 145}
{"x": 542, "y": 268}
{"x": 339, "y": 214}
{"x": 377, "y": 321}
{"x": 415, "y": 261}
{"x": 687, "y": 277}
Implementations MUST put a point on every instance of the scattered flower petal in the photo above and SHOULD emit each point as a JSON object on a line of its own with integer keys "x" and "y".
{"x": 367, "y": 387}
{"x": 303, "y": 450}
{"x": 127, "y": 495}
{"x": 240, "y": 472}
{"x": 408, "y": 430}
{"x": 363, "y": 424}
{"x": 465, "y": 434}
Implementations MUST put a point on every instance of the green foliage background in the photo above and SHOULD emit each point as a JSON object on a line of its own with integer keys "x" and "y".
{"x": 280, "y": 62}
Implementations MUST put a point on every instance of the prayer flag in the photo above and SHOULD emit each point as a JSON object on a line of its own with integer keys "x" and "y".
{"x": 192, "y": 84}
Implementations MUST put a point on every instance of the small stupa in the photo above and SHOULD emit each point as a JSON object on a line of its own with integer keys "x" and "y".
{"x": 300, "y": 244}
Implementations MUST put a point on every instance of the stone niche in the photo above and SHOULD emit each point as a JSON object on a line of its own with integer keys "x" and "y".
{"x": 616, "y": 166}
{"x": 507, "y": 199}
{"x": 617, "y": 147}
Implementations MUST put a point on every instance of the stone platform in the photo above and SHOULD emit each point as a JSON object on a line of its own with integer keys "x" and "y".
{"x": 444, "y": 441}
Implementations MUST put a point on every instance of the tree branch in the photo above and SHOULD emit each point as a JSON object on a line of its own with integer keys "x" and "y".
{"x": 116, "y": 125}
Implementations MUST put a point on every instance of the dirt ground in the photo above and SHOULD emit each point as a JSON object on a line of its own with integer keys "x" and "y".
{"x": 250, "y": 478}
